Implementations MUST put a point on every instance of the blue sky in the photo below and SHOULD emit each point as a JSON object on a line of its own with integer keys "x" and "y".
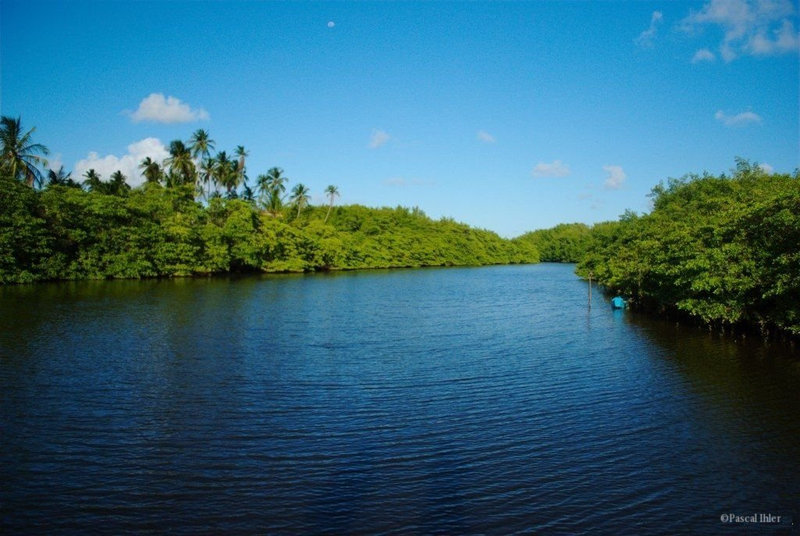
{"x": 509, "y": 116}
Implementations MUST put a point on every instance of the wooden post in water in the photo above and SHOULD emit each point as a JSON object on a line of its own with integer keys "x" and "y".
{"x": 590, "y": 290}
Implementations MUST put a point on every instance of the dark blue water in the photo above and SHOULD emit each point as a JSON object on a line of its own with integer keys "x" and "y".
{"x": 448, "y": 401}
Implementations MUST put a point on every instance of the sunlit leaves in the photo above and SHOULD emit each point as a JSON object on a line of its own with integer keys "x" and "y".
{"x": 722, "y": 249}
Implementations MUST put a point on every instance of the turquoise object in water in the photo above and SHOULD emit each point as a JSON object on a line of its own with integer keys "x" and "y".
{"x": 617, "y": 302}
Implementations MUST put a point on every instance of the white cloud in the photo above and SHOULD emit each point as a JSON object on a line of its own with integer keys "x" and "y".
{"x": 785, "y": 39}
{"x": 485, "y": 137}
{"x": 766, "y": 168}
{"x": 647, "y": 37}
{"x": 378, "y": 138}
{"x": 616, "y": 177}
{"x": 703, "y": 55}
{"x": 737, "y": 120}
{"x": 128, "y": 163}
{"x": 160, "y": 109}
{"x": 554, "y": 169}
{"x": 749, "y": 27}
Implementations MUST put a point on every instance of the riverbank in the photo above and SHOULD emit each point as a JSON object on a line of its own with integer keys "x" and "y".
{"x": 718, "y": 250}
{"x": 66, "y": 233}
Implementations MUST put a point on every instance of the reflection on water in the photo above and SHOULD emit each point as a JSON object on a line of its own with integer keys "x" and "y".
{"x": 485, "y": 400}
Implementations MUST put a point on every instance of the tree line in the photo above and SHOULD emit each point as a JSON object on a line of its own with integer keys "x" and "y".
{"x": 566, "y": 242}
{"x": 195, "y": 214}
{"x": 723, "y": 250}
{"x": 192, "y": 164}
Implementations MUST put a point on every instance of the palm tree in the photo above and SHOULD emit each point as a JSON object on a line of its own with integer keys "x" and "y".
{"x": 208, "y": 178}
{"x": 277, "y": 180}
{"x": 226, "y": 174}
{"x": 247, "y": 194}
{"x": 93, "y": 182}
{"x": 61, "y": 178}
{"x": 271, "y": 188}
{"x": 180, "y": 162}
{"x": 19, "y": 156}
{"x": 300, "y": 197}
{"x": 151, "y": 170}
{"x": 200, "y": 144}
{"x": 117, "y": 185}
{"x": 262, "y": 187}
{"x": 332, "y": 192}
{"x": 240, "y": 169}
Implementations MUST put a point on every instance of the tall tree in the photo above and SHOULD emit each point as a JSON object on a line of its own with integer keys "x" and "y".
{"x": 271, "y": 188}
{"x": 300, "y": 197}
{"x": 262, "y": 187}
{"x": 93, "y": 182}
{"x": 61, "y": 178}
{"x": 277, "y": 180}
{"x": 118, "y": 184}
{"x": 151, "y": 170}
{"x": 201, "y": 144}
{"x": 208, "y": 178}
{"x": 247, "y": 194}
{"x": 19, "y": 156}
{"x": 332, "y": 192}
{"x": 242, "y": 153}
{"x": 181, "y": 165}
{"x": 226, "y": 174}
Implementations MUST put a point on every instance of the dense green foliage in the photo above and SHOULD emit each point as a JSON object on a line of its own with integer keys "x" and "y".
{"x": 725, "y": 250}
{"x": 566, "y": 242}
{"x": 178, "y": 222}
{"x": 64, "y": 232}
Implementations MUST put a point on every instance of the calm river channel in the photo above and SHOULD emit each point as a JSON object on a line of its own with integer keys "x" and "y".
{"x": 432, "y": 401}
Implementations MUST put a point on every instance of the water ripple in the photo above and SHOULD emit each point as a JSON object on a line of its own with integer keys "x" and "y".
{"x": 465, "y": 401}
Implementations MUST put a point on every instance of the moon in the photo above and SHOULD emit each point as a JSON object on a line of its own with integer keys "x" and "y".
{"x": 331, "y": 24}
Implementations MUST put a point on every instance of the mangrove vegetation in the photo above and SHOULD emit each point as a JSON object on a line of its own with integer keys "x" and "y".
{"x": 566, "y": 242}
{"x": 724, "y": 250}
{"x": 196, "y": 214}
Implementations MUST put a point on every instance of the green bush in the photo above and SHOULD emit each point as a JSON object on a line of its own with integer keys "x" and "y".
{"x": 721, "y": 249}
{"x": 152, "y": 231}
